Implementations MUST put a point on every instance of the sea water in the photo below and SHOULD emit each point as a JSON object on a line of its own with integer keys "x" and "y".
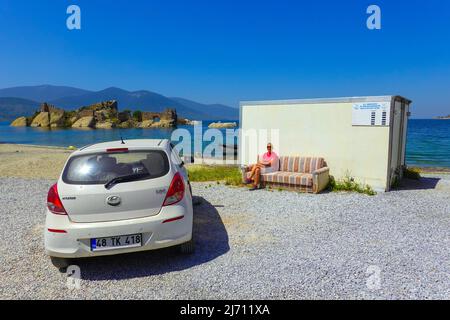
{"x": 428, "y": 141}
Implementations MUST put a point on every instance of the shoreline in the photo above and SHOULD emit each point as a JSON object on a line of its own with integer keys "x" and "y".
{"x": 39, "y": 161}
{"x": 33, "y": 145}
{"x": 431, "y": 169}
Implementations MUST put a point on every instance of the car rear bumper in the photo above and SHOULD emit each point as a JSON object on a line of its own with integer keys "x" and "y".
{"x": 75, "y": 241}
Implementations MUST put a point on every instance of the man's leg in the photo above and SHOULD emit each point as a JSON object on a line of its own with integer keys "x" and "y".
{"x": 253, "y": 168}
{"x": 257, "y": 176}
{"x": 256, "y": 179}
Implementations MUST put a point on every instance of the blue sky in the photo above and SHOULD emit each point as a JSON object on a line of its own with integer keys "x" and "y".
{"x": 227, "y": 51}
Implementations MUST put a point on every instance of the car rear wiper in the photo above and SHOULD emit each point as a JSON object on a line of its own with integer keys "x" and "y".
{"x": 128, "y": 178}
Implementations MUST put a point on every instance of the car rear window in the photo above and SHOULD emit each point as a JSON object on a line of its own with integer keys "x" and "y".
{"x": 100, "y": 168}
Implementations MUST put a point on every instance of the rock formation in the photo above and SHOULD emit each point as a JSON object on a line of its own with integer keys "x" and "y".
{"x": 222, "y": 125}
{"x": 41, "y": 120}
{"x": 127, "y": 124}
{"x": 105, "y": 125}
{"x": 47, "y": 116}
{"x": 169, "y": 115}
{"x": 102, "y": 115}
{"x": 20, "y": 122}
{"x": 57, "y": 118}
{"x": 146, "y": 124}
{"x": 84, "y": 122}
{"x": 188, "y": 122}
{"x": 163, "y": 124}
{"x": 124, "y": 116}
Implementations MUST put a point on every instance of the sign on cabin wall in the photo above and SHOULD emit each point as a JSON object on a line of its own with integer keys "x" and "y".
{"x": 371, "y": 114}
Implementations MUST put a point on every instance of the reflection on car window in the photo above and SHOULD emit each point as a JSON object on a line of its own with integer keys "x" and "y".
{"x": 102, "y": 167}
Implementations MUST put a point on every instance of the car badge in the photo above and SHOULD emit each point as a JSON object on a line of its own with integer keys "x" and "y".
{"x": 113, "y": 200}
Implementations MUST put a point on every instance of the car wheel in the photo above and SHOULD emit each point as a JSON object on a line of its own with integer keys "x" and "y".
{"x": 60, "y": 263}
{"x": 187, "y": 247}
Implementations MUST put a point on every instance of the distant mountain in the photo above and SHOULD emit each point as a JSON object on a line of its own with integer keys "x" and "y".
{"x": 150, "y": 101}
{"x": 42, "y": 93}
{"x": 138, "y": 100}
{"x": 224, "y": 112}
{"x": 72, "y": 98}
{"x": 12, "y": 108}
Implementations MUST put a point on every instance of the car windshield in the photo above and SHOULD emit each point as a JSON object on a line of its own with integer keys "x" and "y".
{"x": 100, "y": 168}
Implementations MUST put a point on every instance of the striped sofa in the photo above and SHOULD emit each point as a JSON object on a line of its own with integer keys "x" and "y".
{"x": 305, "y": 174}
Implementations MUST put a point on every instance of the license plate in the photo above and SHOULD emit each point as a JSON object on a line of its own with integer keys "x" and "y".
{"x": 116, "y": 242}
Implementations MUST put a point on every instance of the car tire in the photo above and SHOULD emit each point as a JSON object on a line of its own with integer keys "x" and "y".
{"x": 188, "y": 247}
{"x": 60, "y": 263}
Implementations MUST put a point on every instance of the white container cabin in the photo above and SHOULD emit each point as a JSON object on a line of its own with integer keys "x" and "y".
{"x": 363, "y": 138}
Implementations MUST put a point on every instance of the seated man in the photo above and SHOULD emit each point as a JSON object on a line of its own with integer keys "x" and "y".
{"x": 268, "y": 163}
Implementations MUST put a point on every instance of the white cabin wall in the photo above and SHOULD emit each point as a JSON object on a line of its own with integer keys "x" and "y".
{"x": 323, "y": 129}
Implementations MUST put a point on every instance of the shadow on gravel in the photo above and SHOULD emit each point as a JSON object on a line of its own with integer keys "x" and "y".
{"x": 423, "y": 183}
{"x": 211, "y": 241}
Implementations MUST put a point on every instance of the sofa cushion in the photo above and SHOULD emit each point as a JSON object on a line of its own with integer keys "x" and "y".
{"x": 292, "y": 178}
{"x": 300, "y": 164}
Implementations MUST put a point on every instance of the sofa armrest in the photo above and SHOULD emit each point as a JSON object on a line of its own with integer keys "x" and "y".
{"x": 321, "y": 171}
{"x": 244, "y": 170}
{"x": 321, "y": 177}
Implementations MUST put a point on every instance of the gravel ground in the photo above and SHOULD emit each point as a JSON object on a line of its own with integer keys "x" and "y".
{"x": 264, "y": 244}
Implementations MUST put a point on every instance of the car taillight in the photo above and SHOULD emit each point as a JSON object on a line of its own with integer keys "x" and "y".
{"x": 54, "y": 203}
{"x": 176, "y": 190}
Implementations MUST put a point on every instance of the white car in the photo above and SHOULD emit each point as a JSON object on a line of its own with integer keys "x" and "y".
{"x": 119, "y": 197}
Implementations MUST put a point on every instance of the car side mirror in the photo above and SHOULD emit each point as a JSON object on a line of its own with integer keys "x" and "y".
{"x": 182, "y": 164}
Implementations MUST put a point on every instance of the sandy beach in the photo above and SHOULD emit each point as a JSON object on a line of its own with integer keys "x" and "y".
{"x": 33, "y": 162}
